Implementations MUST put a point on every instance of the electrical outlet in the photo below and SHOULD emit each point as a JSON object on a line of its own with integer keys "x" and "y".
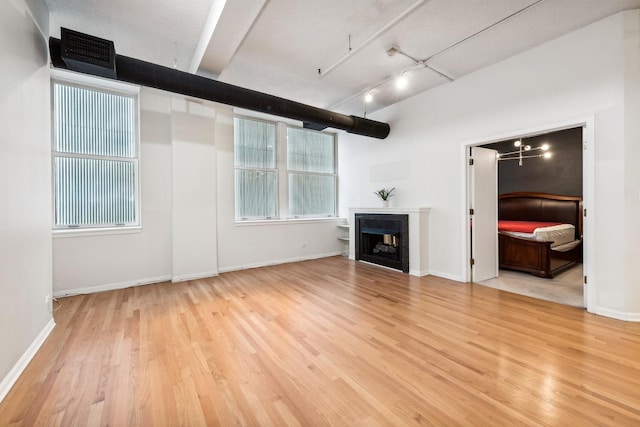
{"x": 47, "y": 299}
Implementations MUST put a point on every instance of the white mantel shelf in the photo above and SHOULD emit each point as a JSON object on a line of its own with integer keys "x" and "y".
{"x": 418, "y": 234}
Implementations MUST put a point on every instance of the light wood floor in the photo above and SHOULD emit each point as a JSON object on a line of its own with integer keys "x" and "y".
{"x": 327, "y": 342}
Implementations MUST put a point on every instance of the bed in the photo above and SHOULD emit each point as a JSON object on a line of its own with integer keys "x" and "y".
{"x": 539, "y": 233}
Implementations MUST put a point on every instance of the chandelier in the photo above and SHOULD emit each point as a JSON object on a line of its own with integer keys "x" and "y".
{"x": 525, "y": 152}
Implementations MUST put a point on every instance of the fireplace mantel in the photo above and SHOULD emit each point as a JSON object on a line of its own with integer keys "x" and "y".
{"x": 418, "y": 235}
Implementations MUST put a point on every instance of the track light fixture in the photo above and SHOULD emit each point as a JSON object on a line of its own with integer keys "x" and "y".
{"x": 401, "y": 80}
{"x": 418, "y": 63}
{"x": 523, "y": 152}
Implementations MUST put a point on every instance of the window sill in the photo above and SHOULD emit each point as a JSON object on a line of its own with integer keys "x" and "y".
{"x": 85, "y": 232}
{"x": 259, "y": 222}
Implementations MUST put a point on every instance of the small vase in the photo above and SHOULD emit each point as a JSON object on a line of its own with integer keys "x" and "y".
{"x": 385, "y": 203}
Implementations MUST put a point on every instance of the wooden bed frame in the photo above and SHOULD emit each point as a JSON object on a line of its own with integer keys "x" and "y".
{"x": 532, "y": 256}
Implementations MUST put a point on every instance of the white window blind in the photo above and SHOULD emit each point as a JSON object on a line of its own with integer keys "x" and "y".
{"x": 311, "y": 169}
{"x": 283, "y": 170}
{"x": 256, "y": 182}
{"x": 95, "y": 163}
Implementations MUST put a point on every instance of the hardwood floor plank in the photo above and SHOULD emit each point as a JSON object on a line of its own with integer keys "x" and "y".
{"x": 327, "y": 342}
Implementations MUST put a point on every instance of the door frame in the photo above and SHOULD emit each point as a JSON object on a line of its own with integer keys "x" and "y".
{"x": 588, "y": 193}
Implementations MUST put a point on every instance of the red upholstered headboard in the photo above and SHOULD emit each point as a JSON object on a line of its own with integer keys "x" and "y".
{"x": 529, "y": 206}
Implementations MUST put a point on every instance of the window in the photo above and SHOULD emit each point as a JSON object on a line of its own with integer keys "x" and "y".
{"x": 95, "y": 158}
{"x": 255, "y": 169}
{"x": 311, "y": 170}
{"x": 283, "y": 171}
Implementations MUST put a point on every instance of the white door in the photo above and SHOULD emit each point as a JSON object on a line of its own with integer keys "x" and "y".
{"x": 483, "y": 175}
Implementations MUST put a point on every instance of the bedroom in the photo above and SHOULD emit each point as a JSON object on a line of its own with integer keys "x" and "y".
{"x": 553, "y": 83}
{"x": 560, "y": 174}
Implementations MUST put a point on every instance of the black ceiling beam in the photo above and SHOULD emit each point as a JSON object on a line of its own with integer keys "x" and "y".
{"x": 152, "y": 75}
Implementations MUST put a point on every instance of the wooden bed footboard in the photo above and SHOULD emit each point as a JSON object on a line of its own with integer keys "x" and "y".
{"x": 528, "y": 255}
{"x": 534, "y": 256}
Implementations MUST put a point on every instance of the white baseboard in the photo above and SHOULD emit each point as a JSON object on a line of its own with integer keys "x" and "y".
{"x": 454, "y": 277}
{"x": 110, "y": 286}
{"x": 187, "y": 277}
{"x": 619, "y": 315}
{"x": 276, "y": 262}
{"x": 182, "y": 278}
{"x": 419, "y": 273}
{"x": 15, "y": 372}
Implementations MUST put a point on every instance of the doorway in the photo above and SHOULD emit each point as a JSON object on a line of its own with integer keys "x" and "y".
{"x": 569, "y": 287}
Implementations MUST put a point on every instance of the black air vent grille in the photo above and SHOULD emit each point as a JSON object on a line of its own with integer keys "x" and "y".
{"x": 85, "y": 53}
{"x": 94, "y": 51}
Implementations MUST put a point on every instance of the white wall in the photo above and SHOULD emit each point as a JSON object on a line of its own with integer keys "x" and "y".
{"x": 188, "y": 210}
{"x": 194, "y": 189}
{"x": 631, "y": 42}
{"x": 25, "y": 217}
{"x": 590, "y": 72}
{"x": 177, "y": 240}
{"x": 253, "y": 244}
{"x": 105, "y": 261}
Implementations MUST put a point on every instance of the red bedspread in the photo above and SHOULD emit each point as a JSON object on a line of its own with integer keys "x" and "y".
{"x": 523, "y": 226}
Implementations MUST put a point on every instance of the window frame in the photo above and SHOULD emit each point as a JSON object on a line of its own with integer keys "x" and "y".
{"x": 282, "y": 176}
{"x": 307, "y": 173}
{"x": 105, "y": 86}
{"x": 275, "y": 169}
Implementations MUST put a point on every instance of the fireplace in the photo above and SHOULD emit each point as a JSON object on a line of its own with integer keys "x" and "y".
{"x": 383, "y": 239}
{"x": 418, "y": 226}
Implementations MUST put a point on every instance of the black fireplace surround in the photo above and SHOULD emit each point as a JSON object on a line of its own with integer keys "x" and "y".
{"x": 383, "y": 239}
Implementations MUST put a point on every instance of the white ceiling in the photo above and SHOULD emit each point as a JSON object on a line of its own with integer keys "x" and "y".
{"x": 279, "y": 46}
